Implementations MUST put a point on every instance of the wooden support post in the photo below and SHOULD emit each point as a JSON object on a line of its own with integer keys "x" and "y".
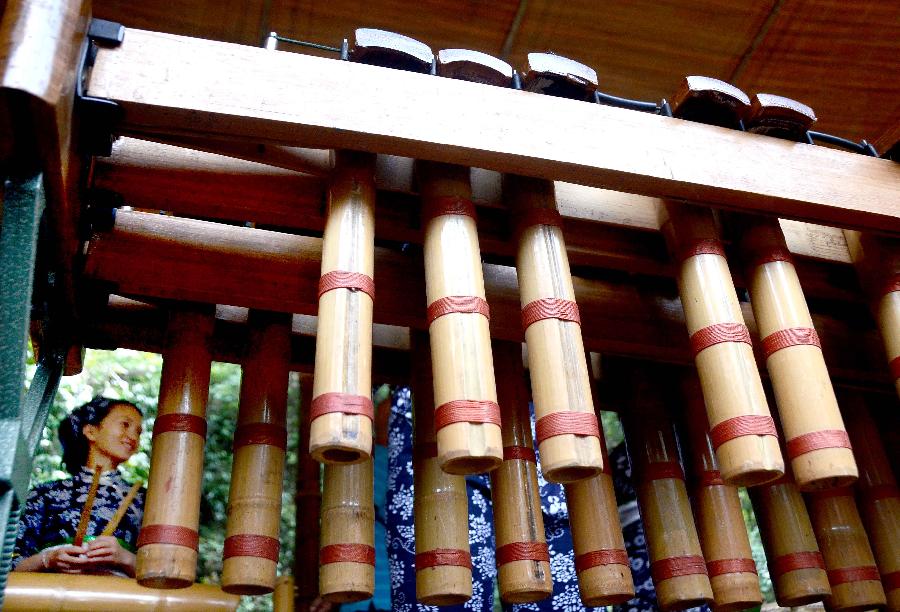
{"x": 523, "y": 559}
{"x": 252, "y": 542}
{"x": 717, "y": 508}
{"x": 342, "y": 411}
{"x": 167, "y": 545}
{"x": 308, "y": 500}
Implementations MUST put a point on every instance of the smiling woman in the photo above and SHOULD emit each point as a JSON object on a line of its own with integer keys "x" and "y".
{"x": 88, "y": 523}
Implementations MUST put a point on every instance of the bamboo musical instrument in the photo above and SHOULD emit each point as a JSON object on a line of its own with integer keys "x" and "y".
{"x": 283, "y": 596}
{"x": 567, "y": 430}
{"x": 42, "y": 592}
{"x": 308, "y": 498}
{"x": 815, "y": 438}
{"x": 741, "y": 428}
{"x": 85, "y": 518}
{"x": 523, "y": 559}
{"x": 441, "y": 510}
{"x": 677, "y": 565}
{"x": 717, "y": 508}
{"x": 168, "y": 542}
{"x": 877, "y": 494}
{"x": 252, "y": 543}
{"x": 122, "y": 509}
{"x": 341, "y": 412}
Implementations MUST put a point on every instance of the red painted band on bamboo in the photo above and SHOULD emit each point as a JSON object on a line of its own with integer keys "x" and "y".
{"x": 522, "y": 551}
{"x": 341, "y": 402}
{"x": 550, "y": 308}
{"x": 677, "y": 566}
{"x": 730, "y": 566}
{"x": 711, "y": 478}
{"x": 796, "y": 561}
{"x": 703, "y": 246}
{"x": 891, "y": 581}
{"x": 662, "y": 470}
{"x": 740, "y": 426}
{"x": 190, "y": 423}
{"x": 447, "y": 205}
{"x": 354, "y": 281}
{"x": 817, "y": 440}
{"x": 891, "y": 285}
{"x": 844, "y": 575}
{"x": 267, "y": 434}
{"x": 539, "y": 216}
{"x": 562, "y": 423}
{"x": 440, "y": 557}
{"x": 775, "y": 253}
{"x": 466, "y": 411}
{"x": 523, "y": 453}
{"x": 603, "y": 556}
{"x": 169, "y": 534}
{"x": 425, "y": 450}
{"x": 718, "y": 333}
{"x": 879, "y": 492}
{"x": 251, "y": 545}
{"x": 347, "y": 553}
{"x": 785, "y": 338}
{"x": 466, "y": 304}
{"x": 895, "y": 367}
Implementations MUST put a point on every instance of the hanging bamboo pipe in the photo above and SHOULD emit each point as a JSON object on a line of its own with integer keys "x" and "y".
{"x": 341, "y": 413}
{"x": 604, "y": 572}
{"x": 677, "y": 565}
{"x": 854, "y": 578}
{"x": 741, "y": 427}
{"x": 168, "y": 542}
{"x": 283, "y": 597}
{"x": 816, "y": 440}
{"x": 523, "y": 559}
{"x": 252, "y": 543}
{"x": 879, "y": 499}
{"x": 441, "y": 510}
{"x": 717, "y": 508}
{"x": 308, "y": 498}
{"x": 568, "y": 433}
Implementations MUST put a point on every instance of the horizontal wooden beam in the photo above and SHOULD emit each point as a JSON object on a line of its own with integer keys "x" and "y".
{"x": 169, "y": 258}
{"x": 169, "y": 84}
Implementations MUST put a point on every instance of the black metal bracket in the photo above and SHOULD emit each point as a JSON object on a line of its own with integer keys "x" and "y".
{"x": 862, "y": 147}
{"x": 657, "y": 108}
{"x": 99, "y": 116}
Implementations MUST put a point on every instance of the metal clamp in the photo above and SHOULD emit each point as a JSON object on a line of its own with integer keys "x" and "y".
{"x": 98, "y": 115}
{"x": 862, "y": 147}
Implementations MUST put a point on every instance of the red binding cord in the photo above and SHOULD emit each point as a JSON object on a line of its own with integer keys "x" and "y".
{"x": 550, "y": 308}
{"x": 775, "y": 253}
{"x": 739, "y": 426}
{"x": 892, "y": 284}
{"x": 447, "y": 205}
{"x": 522, "y": 551}
{"x": 730, "y": 566}
{"x": 347, "y": 553}
{"x": 703, "y": 246}
{"x": 466, "y": 411}
{"x": 853, "y": 574}
{"x": 895, "y": 367}
{"x": 704, "y": 338}
{"x": 796, "y": 561}
{"x": 662, "y": 470}
{"x": 785, "y": 338}
{"x": 168, "y": 534}
{"x": 677, "y": 566}
{"x": 189, "y": 423}
{"x": 817, "y": 440}
{"x": 250, "y": 545}
{"x": 538, "y": 216}
{"x": 562, "y": 423}
{"x": 603, "y": 556}
{"x": 458, "y": 304}
{"x": 440, "y": 557}
{"x": 354, "y": 281}
{"x": 341, "y": 402}
{"x": 711, "y": 478}
{"x": 523, "y": 453}
{"x": 268, "y": 434}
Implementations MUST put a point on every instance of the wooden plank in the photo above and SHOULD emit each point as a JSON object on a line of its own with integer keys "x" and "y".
{"x": 169, "y": 258}
{"x": 190, "y": 89}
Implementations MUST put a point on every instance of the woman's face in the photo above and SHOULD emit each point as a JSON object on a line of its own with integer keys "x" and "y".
{"x": 117, "y": 435}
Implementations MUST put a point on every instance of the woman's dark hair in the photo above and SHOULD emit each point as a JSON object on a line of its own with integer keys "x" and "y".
{"x": 71, "y": 429}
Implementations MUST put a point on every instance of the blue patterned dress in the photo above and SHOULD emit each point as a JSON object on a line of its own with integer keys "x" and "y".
{"x": 53, "y": 509}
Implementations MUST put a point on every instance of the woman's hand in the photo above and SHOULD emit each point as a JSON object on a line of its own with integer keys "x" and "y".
{"x": 65, "y": 559}
{"x": 106, "y": 550}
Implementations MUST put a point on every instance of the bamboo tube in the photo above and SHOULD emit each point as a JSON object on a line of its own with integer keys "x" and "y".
{"x": 465, "y": 394}
{"x": 113, "y": 523}
{"x": 676, "y": 559}
{"x": 252, "y": 543}
{"x": 347, "y": 545}
{"x": 741, "y": 427}
{"x": 816, "y": 440}
{"x": 854, "y": 578}
{"x": 879, "y": 499}
{"x": 877, "y": 263}
{"x": 717, "y": 508}
{"x": 39, "y": 592}
{"x": 795, "y": 564}
{"x": 523, "y": 559}
{"x": 441, "y": 511}
{"x": 167, "y": 544}
{"x": 568, "y": 433}
{"x": 308, "y": 498}
{"x": 283, "y": 597}
{"x": 85, "y": 518}
{"x": 342, "y": 411}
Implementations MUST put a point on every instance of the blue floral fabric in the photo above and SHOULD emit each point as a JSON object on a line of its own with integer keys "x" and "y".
{"x": 53, "y": 509}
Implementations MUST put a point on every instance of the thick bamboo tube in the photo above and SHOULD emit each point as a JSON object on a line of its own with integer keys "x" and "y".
{"x": 717, "y": 508}
{"x": 604, "y": 572}
{"x": 854, "y": 578}
{"x": 308, "y": 498}
{"x": 342, "y": 411}
{"x": 283, "y": 596}
{"x": 252, "y": 543}
{"x": 795, "y": 564}
{"x": 676, "y": 558}
{"x": 523, "y": 559}
{"x": 35, "y": 592}
{"x": 879, "y": 499}
{"x": 167, "y": 545}
{"x": 347, "y": 544}
{"x": 567, "y": 428}
{"x": 441, "y": 510}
